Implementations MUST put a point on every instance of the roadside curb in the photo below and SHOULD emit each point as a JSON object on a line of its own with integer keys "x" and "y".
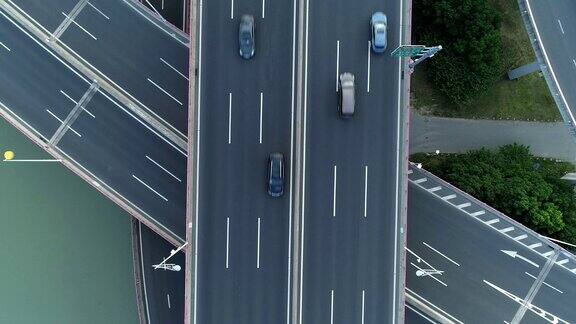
{"x": 135, "y": 238}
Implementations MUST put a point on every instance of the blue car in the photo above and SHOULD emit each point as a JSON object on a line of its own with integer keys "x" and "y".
{"x": 276, "y": 174}
{"x": 378, "y": 28}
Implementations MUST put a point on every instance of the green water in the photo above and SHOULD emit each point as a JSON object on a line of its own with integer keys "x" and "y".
{"x": 65, "y": 250}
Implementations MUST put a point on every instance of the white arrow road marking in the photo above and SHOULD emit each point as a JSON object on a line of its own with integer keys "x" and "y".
{"x": 514, "y": 254}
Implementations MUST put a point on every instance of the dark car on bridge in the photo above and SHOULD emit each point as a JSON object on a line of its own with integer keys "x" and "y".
{"x": 276, "y": 174}
{"x": 246, "y": 36}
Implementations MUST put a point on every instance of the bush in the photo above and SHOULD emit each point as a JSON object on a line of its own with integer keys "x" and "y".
{"x": 516, "y": 183}
{"x": 468, "y": 31}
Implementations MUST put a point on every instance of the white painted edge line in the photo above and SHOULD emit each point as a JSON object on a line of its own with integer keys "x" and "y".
{"x": 263, "y": 8}
{"x": 6, "y": 47}
{"x": 334, "y": 195}
{"x": 143, "y": 272}
{"x": 198, "y": 133}
{"x": 227, "y": 241}
{"x": 229, "y": 117}
{"x": 261, "y": 108}
{"x": 168, "y": 299}
{"x": 62, "y": 122}
{"x": 79, "y": 26}
{"x": 418, "y": 181}
{"x": 293, "y": 93}
{"x": 165, "y": 92}
{"x": 368, "y": 71}
{"x": 447, "y": 258}
{"x": 337, "y": 62}
{"x": 521, "y": 237}
{"x": 546, "y": 284}
{"x": 506, "y": 230}
{"x": 94, "y": 7}
{"x": 440, "y": 310}
{"x": 232, "y": 9}
{"x": 424, "y": 316}
{"x": 150, "y": 188}
{"x": 163, "y": 168}
{"x": 492, "y": 221}
{"x": 434, "y": 189}
{"x": 464, "y": 205}
{"x": 258, "y": 247}
{"x": 561, "y": 28}
{"x": 548, "y": 61}
{"x": 448, "y": 197}
{"x": 174, "y": 69}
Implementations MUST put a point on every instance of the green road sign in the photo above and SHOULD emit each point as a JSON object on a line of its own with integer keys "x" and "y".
{"x": 408, "y": 50}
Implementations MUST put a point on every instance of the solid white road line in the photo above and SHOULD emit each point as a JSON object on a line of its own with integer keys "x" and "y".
{"x": 79, "y": 26}
{"x": 365, "y": 190}
{"x": 149, "y": 188}
{"x": 332, "y": 306}
{"x": 94, "y": 7}
{"x": 163, "y": 168}
{"x": 168, "y": 298}
{"x": 434, "y": 189}
{"x": 368, "y": 77}
{"x": 261, "y": 108}
{"x": 302, "y": 208}
{"x": 232, "y": 9}
{"x": 173, "y": 68}
{"x": 438, "y": 309}
{"x": 76, "y": 102}
{"x": 574, "y": 61}
{"x": 263, "y": 8}
{"x": 62, "y": 122}
{"x": 337, "y": 62}
{"x": 547, "y": 254}
{"x": 227, "y": 241}
{"x": 289, "y": 254}
{"x": 561, "y": 262}
{"x": 229, "y": 117}
{"x": 198, "y": 133}
{"x": 334, "y": 197}
{"x": 258, "y": 247}
{"x": 419, "y": 313}
{"x": 535, "y": 245}
{"x": 165, "y": 92}
{"x": 447, "y": 258}
{"x": 6, "y": 47}
{"x": 143, "y": 272}
{"x": 363, "y": 293}
{"x": 546, "y": 284}
{"x": 560, "y": 24}
{"x": 162, "y": 4}
{"x": 448, "y": 197}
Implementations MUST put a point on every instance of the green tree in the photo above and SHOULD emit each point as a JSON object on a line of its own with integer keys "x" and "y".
{"x": 468, "y": 30}
{"x": 513, "y": 181}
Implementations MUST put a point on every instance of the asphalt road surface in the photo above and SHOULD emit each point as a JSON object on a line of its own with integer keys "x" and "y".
{"x": 455, "y": 264}
{"x": 557, "y": 29}
{"x": 351, "y": 180}
{"x": 246, "y": 112}
{"x": 174, "y": 11}
{"x": 124, "y": 44}
{"x": 164, "y": 289}
{"x": 106, "y": 140}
